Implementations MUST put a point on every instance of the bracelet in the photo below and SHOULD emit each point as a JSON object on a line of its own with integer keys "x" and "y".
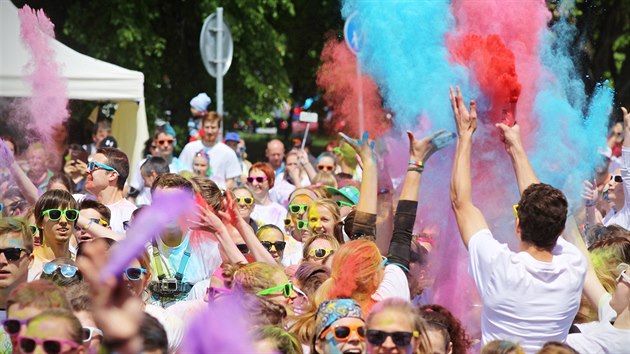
{"x": 416, "y": 163}
{"x": 588, "y": 205}
{"x": 418, "y": 169}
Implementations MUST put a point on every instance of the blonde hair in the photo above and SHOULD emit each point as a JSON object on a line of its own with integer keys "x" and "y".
{"x": 333, "y": 208}
{"x": 255, "y": 277}
{"x": 502, "y": 347}
{"x": 326, "y": 179}
{"x": 404, "y": 308}
{"x": 307, "y": 244}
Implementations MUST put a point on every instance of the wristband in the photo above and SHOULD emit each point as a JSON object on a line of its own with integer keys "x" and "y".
{"x": 416, "y": 163}
{"x": 590, "y": 204}
{"x": 418, "y": 169}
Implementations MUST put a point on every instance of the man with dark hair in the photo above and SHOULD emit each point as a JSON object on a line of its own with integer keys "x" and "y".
{"x": 177, "y": 262}
{"x": 530, "y": 296}
{"x": 223, "y": 160}
{"x": 153, "y": 335}
{"x": 106, "y": 176}
{"x": 101, "y": 130}
{"x": 94, "y": 211}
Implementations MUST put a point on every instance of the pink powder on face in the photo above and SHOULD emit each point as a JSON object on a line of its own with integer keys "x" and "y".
{"x": 337, "y": 76}
{"x": 46, "y": 109}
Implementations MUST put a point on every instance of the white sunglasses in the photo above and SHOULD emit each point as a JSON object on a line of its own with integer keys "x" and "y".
{"x": 623, "y": 276}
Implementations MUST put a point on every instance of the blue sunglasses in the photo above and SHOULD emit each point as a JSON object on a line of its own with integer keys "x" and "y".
{"x": 92, "y": 166}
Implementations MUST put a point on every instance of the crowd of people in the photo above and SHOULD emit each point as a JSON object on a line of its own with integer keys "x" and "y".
{"x": 302, "y": 247}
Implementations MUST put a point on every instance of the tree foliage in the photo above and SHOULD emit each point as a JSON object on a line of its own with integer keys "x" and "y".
{"x": 277, "y": 44}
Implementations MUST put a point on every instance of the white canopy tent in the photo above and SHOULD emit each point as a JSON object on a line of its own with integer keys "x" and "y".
{"x": 86, "y": 79}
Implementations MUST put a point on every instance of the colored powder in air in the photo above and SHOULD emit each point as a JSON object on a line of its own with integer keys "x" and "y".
{"x": 166, "y": 209}
{"x": 337, "y": 77}
{"x": 492, "y": 64}
{"x": 47, "y": 106}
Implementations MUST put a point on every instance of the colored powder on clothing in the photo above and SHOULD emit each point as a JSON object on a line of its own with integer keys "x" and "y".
{"x": 167, "y": 207}
{"x": 337, "y": 77}
{"x": 46, "y": 109}
{"x": 222, "y": 328}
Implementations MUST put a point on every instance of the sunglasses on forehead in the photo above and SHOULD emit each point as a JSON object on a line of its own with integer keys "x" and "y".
{"x": 67, "y": 270}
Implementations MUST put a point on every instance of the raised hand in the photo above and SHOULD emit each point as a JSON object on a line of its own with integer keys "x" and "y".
{"x": 364, "y": 147}
{"x": 590, "y": 194}
{"x": 421, "y": 150}
{"x": 511, "y": 136}
{"x": 626, "y": 118}
{"x": 6, "y": 156}
{"x": 116, "y": 311}
{"x": 466, "y": 120}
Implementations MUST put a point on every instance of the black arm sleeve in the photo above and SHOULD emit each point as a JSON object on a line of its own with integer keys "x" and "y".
{"x": 400, "y": 246}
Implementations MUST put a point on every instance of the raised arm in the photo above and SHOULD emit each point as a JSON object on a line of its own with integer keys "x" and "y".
{"x": 625, "y": 156}
{"x": 405, "y": 218}
{"x": 593, "y": 288}
{"x": 28, "y": 189}
{"x": 364, "y": 224}
{"x": 469, "y": 218}
{"x": 525, "y": 174}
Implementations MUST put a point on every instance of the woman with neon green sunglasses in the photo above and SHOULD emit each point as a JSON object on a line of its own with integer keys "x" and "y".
{"x": 55, "y": 214}
{"x": 267, "y": 281}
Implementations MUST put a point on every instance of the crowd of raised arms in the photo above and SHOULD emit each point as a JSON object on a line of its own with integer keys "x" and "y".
{"x": 299, "y": 254}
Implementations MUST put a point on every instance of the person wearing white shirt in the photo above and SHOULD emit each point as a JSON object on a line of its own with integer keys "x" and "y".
{"x": 107, "y": 173}
{"x": 224, "y": 165}
{"x": 532, "y": 296}
{"x": 261, "y": 179}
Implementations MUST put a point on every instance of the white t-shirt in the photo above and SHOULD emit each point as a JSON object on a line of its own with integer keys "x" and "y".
{"x": 204, "y": 258}
{"x": 224, "y": 164}
{"x": 394, "y": 285}
{"x": 173, "y": 325}
{"x": 292, "y": 254}
{"x": 144, "y": 194}
{"x": 600, "y": 337}
{"x": 281, "y": 192}
{"x": 273, "y": 213}
{"x": 121, "y": 212}
{"x": 526, "y": 301}
{"x": 622, "y": 217}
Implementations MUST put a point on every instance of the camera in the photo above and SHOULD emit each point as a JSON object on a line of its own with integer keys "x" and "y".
{"x": 166, "y": 286}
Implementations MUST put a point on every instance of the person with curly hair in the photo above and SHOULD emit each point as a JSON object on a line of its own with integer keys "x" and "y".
{"x": 445, "y": 331}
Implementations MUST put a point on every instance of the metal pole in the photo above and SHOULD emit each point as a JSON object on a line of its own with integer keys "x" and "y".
{"x": 308, "y": 126}
{"x": 220, "y": 66}
{"x": 360, "y": 100}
